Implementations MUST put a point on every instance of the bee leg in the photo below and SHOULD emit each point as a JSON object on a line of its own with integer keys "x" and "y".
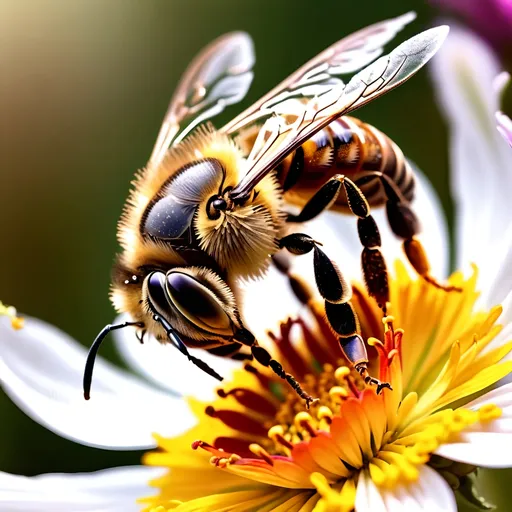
{"x": 405, "y": 225}
{"x": 178, "y": 343}
{"x": 341, "y": 315}
{"x": 300, "y": 288}
{"x": 232, "y": 351}
{"x": 93, "y": 352}
{"x": 374, "y": 266}
{"x": 322, "y": 200}
{"x": 355, "y": 351}
{"x": 264, "y": 358}
{"x": 339, "y": 311}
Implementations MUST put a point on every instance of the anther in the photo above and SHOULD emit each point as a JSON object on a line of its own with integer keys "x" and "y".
{"x": 388, "y": 322}
{"x": 324, "y": 413}
{"x": 259, "y": 451}
{"x": 210, "y": 411}
{"x": 341, "y": 373}
{"x": 276, "y": 433}
{"x": 338, "y": 392}
{"x": 304, "y": 420}
{"x": 222, "y": 393}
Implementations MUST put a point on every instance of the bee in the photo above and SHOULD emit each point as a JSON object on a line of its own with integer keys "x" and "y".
{"x": 210, "y": 208}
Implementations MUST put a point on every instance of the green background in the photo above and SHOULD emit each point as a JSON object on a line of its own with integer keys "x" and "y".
{"x": 84, "y": 85}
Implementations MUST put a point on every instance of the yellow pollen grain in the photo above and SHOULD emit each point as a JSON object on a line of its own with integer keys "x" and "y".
{"x": 17, "y": 322}
{"x": 489, "y": 412}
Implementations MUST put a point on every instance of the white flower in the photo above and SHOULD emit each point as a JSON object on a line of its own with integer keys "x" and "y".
{"x": 41, "y": 368}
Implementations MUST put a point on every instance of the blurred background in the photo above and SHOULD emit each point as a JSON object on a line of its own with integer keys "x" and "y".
{"x": 83, "y": 89}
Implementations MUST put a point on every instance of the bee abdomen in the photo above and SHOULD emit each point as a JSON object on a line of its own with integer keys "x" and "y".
{"x": 350, "y": 147}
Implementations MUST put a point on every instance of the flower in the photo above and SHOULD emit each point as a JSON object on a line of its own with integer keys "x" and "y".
{"x": 491, "y": 18}
{"x": 262, "y": 449}
{"x": 407, "y": 447}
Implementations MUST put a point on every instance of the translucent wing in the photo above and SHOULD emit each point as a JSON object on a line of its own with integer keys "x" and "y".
{"x": 293, "y": 122}
{"x": 322, "y": 72}
{"x": 220, "y": 75}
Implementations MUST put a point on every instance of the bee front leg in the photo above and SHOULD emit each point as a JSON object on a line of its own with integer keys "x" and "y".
{"x": 264, "y": 358}
{"x": 339, "y": 311}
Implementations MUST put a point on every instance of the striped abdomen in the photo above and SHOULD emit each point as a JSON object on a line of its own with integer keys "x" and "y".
{"x": 350, "y": 147}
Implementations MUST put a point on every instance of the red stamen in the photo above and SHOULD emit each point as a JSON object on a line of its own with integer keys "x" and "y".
{"x": 251, "y": 400}
{"x": 237, "y": 421}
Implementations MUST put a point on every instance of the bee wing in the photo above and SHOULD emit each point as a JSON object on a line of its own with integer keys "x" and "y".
{"x": 219, "y": 76}
{"x": 348, "y": 55}
{"x": 293, "y": 122}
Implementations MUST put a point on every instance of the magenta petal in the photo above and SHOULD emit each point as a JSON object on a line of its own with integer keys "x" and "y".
{"x": 491, "y": 18}
{"x": 505, "y": 7}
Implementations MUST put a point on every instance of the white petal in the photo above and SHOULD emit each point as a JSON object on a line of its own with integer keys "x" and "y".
{"x": 464, "y": 71}
{"x": 501, "y": 397}
{"x": 489, "y": 450}
{"x": 487, "y": 444}
{"x": 430, "y": 492}
{"x": 368, "y": 497}
{"x": 111, "y": 490}
{"x": 167, "y": 367}
{"x": 41, "y": 370}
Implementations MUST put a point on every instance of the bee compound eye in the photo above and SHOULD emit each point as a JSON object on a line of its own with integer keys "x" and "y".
{"x": 156, "y": 292}
{"x": 197, "y": 303}
{"x": 212, "y": 209}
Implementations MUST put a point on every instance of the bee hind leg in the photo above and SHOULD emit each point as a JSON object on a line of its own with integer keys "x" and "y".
{"x": 405, "y": 225}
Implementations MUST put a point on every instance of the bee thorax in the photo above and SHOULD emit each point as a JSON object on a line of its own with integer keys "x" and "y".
{"x": 241, "y": 240}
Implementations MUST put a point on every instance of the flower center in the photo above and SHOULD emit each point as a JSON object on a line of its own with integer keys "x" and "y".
{"x": 257, "y": 437}
{"x": 293, "y": 425}
{"x": 351, "y": 428}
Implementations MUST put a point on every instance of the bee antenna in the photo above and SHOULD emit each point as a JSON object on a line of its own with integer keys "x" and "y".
{"x": 93, "y": 351}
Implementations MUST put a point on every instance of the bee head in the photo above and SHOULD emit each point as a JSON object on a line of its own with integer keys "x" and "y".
{"x": 169, "y": 216}
{"x": 194, "y": 300}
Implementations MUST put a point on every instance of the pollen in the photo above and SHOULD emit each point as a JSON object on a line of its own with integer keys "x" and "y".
{"x": 10, "y": 312}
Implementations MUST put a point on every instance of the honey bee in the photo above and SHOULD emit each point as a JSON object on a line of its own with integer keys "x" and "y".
{"x": 210, "y": 208}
